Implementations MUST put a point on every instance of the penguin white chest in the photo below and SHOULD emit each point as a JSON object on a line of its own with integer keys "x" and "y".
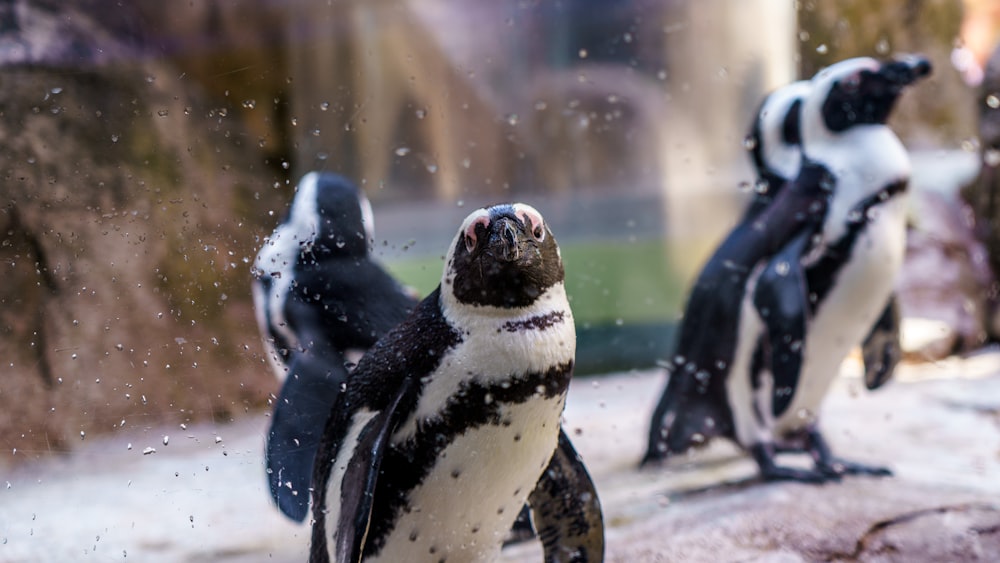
{"x": 467, "y": 503}
{"x": 845, "y": 316}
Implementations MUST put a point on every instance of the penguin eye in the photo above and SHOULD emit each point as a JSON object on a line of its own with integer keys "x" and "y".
{"x": 533, "y": 221}
{"x": 471, "y": 236}
{"x": 851, "y": 82}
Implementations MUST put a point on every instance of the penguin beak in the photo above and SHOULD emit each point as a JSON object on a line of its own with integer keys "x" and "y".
{"x": 506, "y": 240}
{"x": 905, "y": 70}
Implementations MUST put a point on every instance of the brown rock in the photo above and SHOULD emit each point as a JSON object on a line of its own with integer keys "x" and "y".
{"x": 130, "y": 210}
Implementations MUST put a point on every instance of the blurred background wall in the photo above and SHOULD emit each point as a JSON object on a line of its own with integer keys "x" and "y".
{"x": 149, "y": 146}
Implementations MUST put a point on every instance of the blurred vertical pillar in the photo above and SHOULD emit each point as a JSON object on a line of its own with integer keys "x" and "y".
{"x": 722, "y": 57}
{"x": 375, "y": 96}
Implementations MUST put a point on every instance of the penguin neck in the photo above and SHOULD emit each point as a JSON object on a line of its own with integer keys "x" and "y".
{"x": 464, "y": 316}
{"x": 864, "y": 159}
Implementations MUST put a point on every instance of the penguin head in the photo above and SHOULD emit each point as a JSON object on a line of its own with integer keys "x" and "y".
{"x": 503, "y": 256}
{"x": 860, "y": 91}
{"x": 775, "y": 140}
{"x": 331, "y": 216}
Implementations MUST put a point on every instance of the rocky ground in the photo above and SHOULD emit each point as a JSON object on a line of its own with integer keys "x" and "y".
{"x": 202, "y": 497}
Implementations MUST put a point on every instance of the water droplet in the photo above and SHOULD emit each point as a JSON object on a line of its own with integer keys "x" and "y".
{"x": 782, "y": 268}
{"x": 582, "y": 53}
{"x": 992, "y": 157}
{"x": 166, "y": 440}
{"x": 324, "y": 106}
{"x": 749, "y": 143}
{"x": 421, "y": 113}
{"x": 83, "y": 434}
{"x": 822, "y": 49}
{"x": 148, "y": 450}
{"x": 432, "y": 168}
{"x": 993, "y": 101}
{"x": 249, "y": 104}
{"x": 114, "y": 138}
{"x": 402, "y": 151}
{"x": 218, "y": 439}
{"x": 163, "y": 112}
{"x": 512, "y": 119}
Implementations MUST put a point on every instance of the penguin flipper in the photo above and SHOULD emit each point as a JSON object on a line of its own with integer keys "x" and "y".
{"x": 780, "y": 298}
{"x": 566, "y": 509}
{"x": 297, "y": 423}
{"x": 361, "y": 478}
{"x": 881, "y": 349}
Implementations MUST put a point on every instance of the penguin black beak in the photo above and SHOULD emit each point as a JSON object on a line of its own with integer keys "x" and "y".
{"x": 905, "y": 70}
{"x": 506, "y": 239}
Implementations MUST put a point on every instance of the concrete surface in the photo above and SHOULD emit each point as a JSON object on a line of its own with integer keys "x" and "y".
{"x": 202, "y": 496}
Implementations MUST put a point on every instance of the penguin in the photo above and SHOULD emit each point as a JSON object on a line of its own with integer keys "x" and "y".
{"x": 802, "y": 309}
{"x": 321, "y": 301}
{"x": 774, "y": 144}
{"x": 451, "y": 422}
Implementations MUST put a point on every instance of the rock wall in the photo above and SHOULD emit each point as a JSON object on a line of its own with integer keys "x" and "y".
{"x": 130, "y": 207}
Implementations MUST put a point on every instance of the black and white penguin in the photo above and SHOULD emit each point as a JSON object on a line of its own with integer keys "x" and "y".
{"x": 451, "y": 422}
{"x": 803, "y": 308}
{"x": 321, "y": 301}
{"x": 775, "y": 146}
{"x": 774, "y": 143}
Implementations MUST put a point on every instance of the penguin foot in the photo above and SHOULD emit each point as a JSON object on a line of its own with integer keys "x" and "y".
{"x": 830, "y": 464}
{"x": 763, "y": 454}
{"x": 839, "y": 467}
{"x": 780, "y": 473}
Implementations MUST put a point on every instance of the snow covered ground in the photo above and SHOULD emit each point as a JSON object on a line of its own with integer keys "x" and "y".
{"x": 202, "y": 495}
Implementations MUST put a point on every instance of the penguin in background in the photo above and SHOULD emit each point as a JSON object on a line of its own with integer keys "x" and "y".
{"x": 321, "y": 301}
{"x": 451, "y": 422}
{"x": 802, "y": 309}
{"x": 775, "y": 145}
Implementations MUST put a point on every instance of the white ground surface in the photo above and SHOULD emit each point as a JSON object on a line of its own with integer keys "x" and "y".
{"x": 203, "y": 497}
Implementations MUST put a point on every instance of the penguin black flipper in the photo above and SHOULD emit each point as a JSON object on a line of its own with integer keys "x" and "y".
{"x": 780, "y": 297}
{"x": 361, "y": 478}
{"x": 312, "y": 386}
{"x": 882, "y": 350}
{"x": 566, "y": 510}
{"x": 694, "y": 406}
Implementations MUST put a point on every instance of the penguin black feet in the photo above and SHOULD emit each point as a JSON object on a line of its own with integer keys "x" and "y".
{"x": 835, "y": 466}
{"x": 764, "y": 454}
{"x": 827, "y": 466}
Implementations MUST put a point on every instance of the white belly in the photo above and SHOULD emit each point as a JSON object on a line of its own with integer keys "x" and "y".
{"x": 845, "y": 317}
{"x": 468, "y": 503}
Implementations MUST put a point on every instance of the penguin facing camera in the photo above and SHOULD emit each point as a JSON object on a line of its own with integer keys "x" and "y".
{"x": 754, "y": 366}
{"x": 451, "y": 422}
{"x": 320, "y": 301}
